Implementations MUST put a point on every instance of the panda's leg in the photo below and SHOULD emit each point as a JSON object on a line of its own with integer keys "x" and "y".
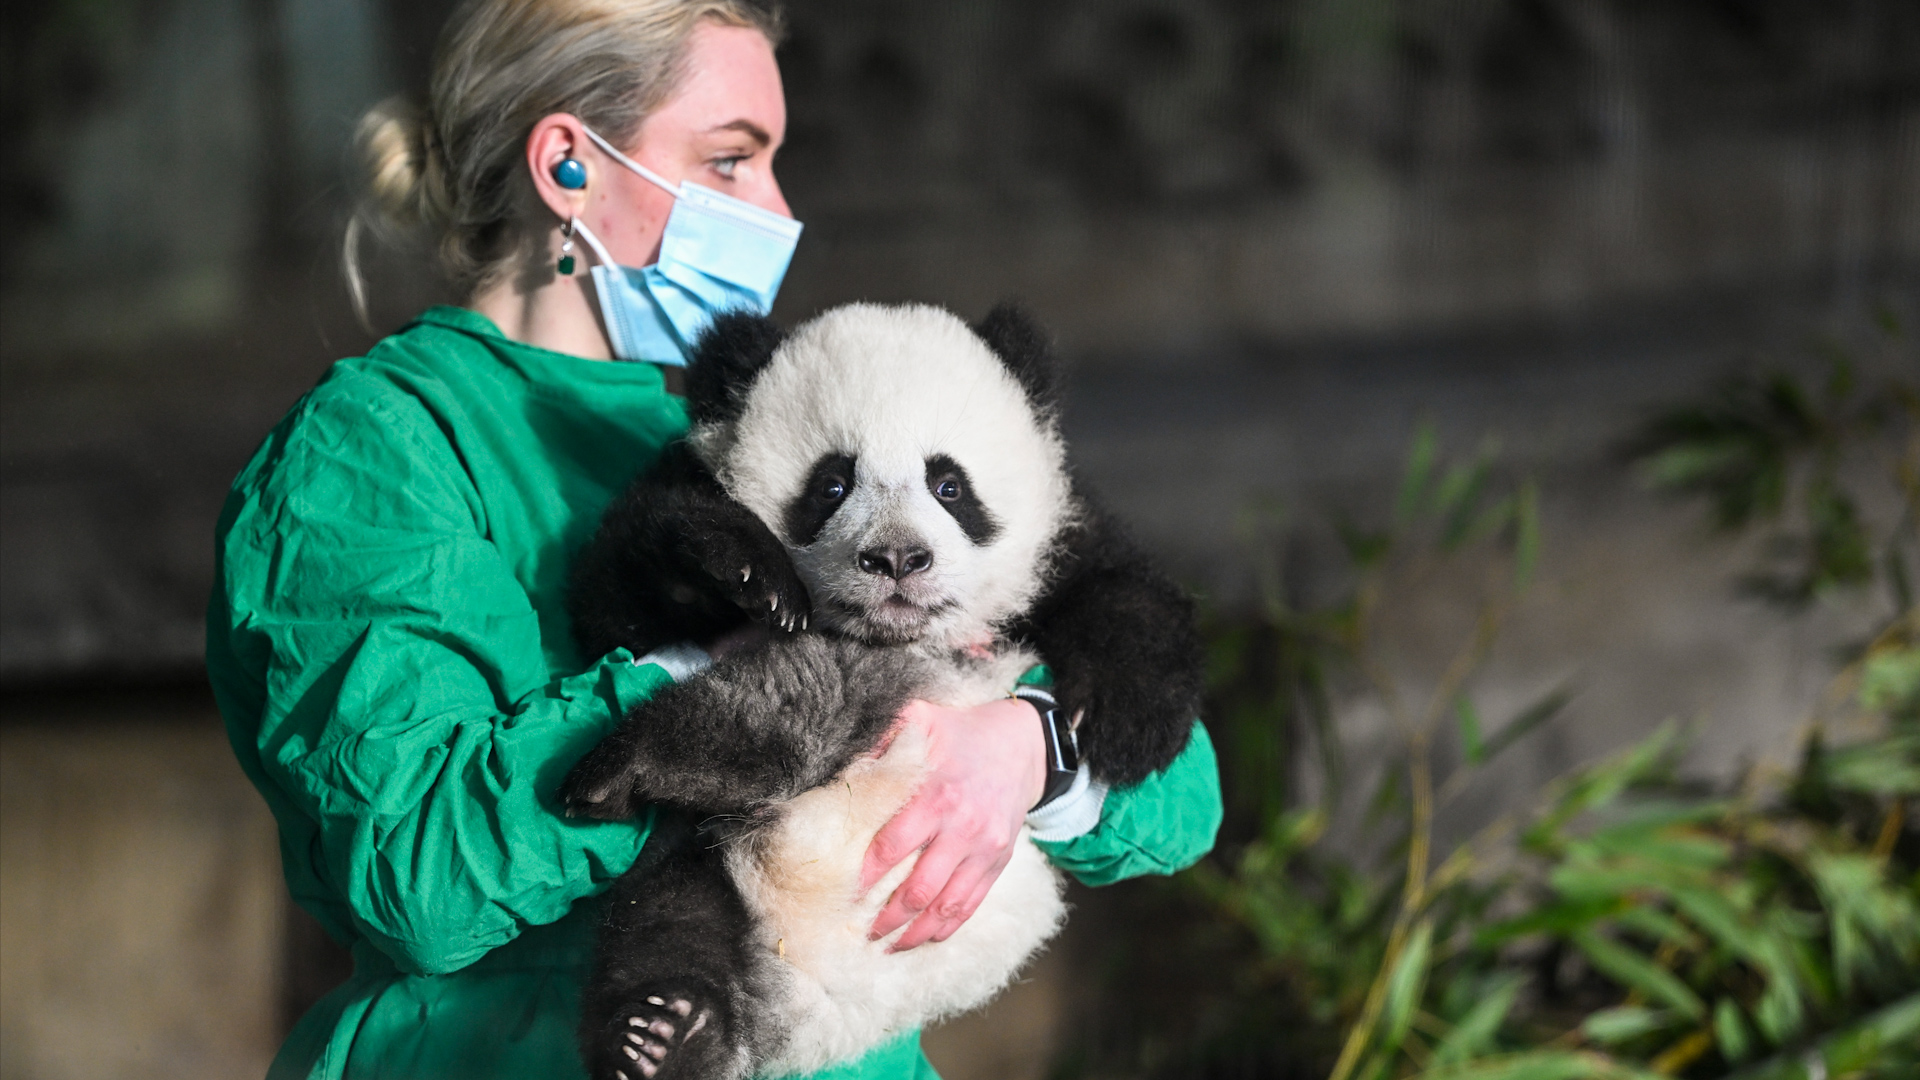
{"x": 1120, "y": 640}
{"x": 755, "y": 729}
{"x": 674, "y": 991}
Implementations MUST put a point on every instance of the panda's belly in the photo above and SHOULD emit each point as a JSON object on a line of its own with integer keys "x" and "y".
{"x": 838, "y": 993}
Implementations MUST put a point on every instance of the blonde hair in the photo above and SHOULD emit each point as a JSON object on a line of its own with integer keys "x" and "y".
{"x": 455, "y": 174}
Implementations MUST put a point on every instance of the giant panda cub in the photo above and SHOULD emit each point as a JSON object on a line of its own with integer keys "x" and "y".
{"x": 888, "y": 489}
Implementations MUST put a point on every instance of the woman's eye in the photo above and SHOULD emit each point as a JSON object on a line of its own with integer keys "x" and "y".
{"x": 725, "y": 166}
{"x": 834, "y": 491}
{"x": 948, "y": 490}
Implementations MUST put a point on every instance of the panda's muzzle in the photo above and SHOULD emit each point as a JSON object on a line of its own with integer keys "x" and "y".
{"x": 896, "y": 562}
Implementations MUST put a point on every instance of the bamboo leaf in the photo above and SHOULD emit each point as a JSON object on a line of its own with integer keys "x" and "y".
{"x": 1531, "y": 717}
{"x": 1296, "y": 829}
{"x": 1896, "y": 1025}
{"x": 1634, "y": 971}
{"x": 1459, "y": 493}
{"x": 1405, "y": 984}
{"x": 1413, "y": 482}
{"x": 1561, "y": 919}
{"x": 1624, "y": 1023}
{"x": 1890, "y": 767}
{"x": 1526, "y": 535}
{"x": 1541, "y": 1065}
{"x": 1470, "y": 745}
{"x": 1603, "y": 783}
{"x": 1658, "y": 925}
{"x": 1730, "y": 1030}
{"x": 1475, "y": 1031}
{"x": 1677, "y": 851}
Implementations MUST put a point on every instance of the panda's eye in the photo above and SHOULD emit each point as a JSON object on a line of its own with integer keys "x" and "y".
{"x": 833, "y": 490}
{"x": 947, "y": 490}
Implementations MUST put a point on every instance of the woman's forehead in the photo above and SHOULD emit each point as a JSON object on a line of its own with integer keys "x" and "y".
{"x": 731, "y": 87}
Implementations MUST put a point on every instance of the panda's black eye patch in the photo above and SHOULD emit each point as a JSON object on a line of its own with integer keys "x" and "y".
{"x": 949, "y": 483}
{"x": 827, "y": 485}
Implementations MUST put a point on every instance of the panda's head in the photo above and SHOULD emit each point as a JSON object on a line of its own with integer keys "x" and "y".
{"x": 910, "y": 463}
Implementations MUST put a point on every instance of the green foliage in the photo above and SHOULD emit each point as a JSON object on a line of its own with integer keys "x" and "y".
{"x": 1629, "y": 924}
{"x": 1649, "y": 929}
{"x": 1769, "y": 450}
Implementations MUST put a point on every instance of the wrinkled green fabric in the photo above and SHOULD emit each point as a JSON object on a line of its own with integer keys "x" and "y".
{"x": 388, "y": 643}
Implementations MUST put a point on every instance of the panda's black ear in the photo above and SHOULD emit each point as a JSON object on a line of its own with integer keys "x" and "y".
{"x": 730, "y": 354}
{"x": 1026, "y": 350}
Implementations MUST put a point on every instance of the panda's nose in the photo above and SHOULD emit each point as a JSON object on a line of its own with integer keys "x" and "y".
{"x": 896, "y": 562}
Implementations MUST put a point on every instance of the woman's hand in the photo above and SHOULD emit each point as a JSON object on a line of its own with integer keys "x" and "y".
{"x": 988, "y": 769}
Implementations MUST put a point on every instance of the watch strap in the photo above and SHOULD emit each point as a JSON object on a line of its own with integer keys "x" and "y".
{"x": 1062, "y": 743}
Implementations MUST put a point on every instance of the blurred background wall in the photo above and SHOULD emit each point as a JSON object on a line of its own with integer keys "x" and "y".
{"x": 1271, "y": 238}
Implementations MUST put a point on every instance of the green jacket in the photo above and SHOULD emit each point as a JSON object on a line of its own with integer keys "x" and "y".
{"x": 388, "y": 644}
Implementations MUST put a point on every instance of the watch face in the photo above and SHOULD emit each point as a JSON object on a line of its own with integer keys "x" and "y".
{"x": 1063, "y": 745}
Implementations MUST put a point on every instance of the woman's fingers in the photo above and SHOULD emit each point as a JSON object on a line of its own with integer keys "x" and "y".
{"x": 986, "y": 766}
{"x": 974, "y": 900}
{"x": 922, "y": 887}
{"x": 909, "y": 831}
{"x": 956, "y": 902}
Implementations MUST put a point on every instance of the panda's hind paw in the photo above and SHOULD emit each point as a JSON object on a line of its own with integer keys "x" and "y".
{"x": 601, "y": 786}
{"x": 666, "y": 1036}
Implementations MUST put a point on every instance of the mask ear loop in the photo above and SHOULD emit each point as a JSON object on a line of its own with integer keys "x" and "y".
{"x": 646, "y": 173}
{"x": 599, "y": 250}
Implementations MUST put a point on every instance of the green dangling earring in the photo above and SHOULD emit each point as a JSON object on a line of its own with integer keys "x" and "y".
{"x": 566, "y": 249}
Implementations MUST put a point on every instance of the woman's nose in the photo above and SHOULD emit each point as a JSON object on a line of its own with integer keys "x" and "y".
{"x": 769, "y": 197}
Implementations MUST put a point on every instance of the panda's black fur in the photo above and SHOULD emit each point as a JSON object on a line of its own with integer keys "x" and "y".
{"x": 684, "y": 985}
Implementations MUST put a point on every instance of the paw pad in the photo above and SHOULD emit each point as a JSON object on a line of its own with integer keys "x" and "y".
{"x": 652, "y": 1035}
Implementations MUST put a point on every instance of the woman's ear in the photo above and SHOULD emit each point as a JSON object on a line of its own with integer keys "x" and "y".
{"x": 554, "y": 139}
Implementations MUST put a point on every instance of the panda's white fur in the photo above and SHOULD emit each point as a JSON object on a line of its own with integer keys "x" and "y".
{"x": 842, "y": 994}
{"x": 892, "y": 387}
{"x": 813, "y": 454}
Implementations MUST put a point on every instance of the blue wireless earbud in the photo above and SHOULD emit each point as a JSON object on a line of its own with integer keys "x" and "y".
{"x": 570, "y": 174}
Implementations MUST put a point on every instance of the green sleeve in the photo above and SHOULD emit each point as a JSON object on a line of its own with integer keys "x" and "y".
{"x": 382, "y": 671}
{"x": 1162, "y": 825}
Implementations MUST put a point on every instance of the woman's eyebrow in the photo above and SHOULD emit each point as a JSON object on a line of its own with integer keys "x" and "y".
{"x": 749, "y": 128}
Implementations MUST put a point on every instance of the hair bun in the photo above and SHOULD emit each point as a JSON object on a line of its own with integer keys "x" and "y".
{"x": 392, "y": 142}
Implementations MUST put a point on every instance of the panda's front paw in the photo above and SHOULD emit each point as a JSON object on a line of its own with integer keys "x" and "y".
{"x": 757, "y": 574}
{"x": 672, "y": 1034}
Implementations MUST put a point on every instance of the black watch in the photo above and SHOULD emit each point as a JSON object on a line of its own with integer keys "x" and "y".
{"x": 1063, "y": 744}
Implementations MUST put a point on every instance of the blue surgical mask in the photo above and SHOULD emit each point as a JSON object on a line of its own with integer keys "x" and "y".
{"x": 718, "y": 254}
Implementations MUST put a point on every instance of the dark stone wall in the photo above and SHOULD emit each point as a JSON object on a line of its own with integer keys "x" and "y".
{"x": 1182, "y": 190}
{"x": 1272, "y": 238}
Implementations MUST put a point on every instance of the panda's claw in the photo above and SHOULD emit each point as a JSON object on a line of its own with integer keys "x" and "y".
{"x": 655, "y": 1033}
{"x": 746, "y": 574}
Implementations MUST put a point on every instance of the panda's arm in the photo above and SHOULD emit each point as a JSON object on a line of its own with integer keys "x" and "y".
{"x": 1120, "y": 640}
{"x": 756, "y": 728}
{"x": 677, "y": 559}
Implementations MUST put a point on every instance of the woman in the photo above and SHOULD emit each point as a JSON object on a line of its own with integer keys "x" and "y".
{"x": 387, "y": 638}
